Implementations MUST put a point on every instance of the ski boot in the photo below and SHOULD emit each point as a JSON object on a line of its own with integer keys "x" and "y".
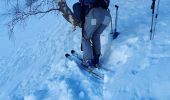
{"x": 95, "y": 61}
{"x": 88, "y": 64}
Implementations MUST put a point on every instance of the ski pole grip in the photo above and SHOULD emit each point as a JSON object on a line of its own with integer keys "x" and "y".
{"x": 153, "y": 4}
{"x": 116, "y": 6}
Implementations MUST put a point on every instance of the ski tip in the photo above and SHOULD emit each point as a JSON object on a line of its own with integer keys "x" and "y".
{"x": 72, "y": 51}
{"x": 67, "y": 55}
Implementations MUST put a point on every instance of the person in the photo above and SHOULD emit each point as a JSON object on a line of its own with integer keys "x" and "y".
{"x": 94, "y": 17}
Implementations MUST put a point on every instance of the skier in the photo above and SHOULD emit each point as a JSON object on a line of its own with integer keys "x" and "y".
{"x": 94, "y": 17}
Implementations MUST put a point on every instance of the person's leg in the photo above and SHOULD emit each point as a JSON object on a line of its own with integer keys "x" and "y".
{"x": 90, "y": 27}
{"x": 97, "y": 43}
{"x": 96, "y": 39}
{"x": 95, "y": 22}
{"x": 104, "y": 20}
{"x": 87, "y": 49}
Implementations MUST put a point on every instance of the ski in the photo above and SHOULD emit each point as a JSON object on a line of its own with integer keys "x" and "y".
{"x": 91, "y": 71}
{"x": 74, "y": 53}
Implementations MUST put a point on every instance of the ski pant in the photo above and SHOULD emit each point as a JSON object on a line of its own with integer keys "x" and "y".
{"x": 95, "y": 23}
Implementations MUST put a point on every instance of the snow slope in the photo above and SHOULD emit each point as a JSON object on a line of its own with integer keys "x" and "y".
{"x": 39, "y": 71}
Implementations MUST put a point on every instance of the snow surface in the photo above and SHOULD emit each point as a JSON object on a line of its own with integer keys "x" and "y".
{"x": 36, "y": 69}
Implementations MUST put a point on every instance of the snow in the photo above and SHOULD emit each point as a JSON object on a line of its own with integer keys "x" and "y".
{"x": 36, "y": 69}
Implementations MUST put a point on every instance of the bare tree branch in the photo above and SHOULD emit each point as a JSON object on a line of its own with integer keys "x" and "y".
{"x": 21, "y": 10}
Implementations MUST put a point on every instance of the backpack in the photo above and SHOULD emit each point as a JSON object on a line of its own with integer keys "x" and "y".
{"x": 102, "y": 3}
{"x": 96, "y": 3}
{"x": 81, "y": 8}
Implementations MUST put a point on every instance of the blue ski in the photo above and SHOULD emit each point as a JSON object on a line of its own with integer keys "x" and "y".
{"x": 91, "y": 71}
{"x": 74, "y": 53}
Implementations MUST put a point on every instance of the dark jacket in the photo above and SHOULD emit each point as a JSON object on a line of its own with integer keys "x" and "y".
{"x": 81, "y": 8}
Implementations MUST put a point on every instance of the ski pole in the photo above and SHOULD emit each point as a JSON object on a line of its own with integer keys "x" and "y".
{"x": 153, "y": 12}
{"x": 115, "y": 34}
{"x": 117, "y": 7}
{"x": 156, "y": 17}
{"x": 111, "y": 23}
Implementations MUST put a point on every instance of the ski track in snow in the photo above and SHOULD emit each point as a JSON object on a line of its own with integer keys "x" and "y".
{"x": 140, "y": 66}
